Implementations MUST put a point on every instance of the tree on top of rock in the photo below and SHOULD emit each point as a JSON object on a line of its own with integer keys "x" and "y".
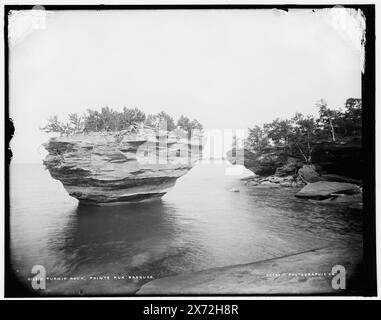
{"x": 257, "y": 139}
{"x": 76, "y": 122}
{"x": 161, "y": 120}
{"x": 353, "y": 117}
{"x": 92, "y": 121}
{"x": 131, "y": 118}
{"x": 299, "y": 135}
{"x": 330, "y": 120}
{"x": 303, "y": 137}
{"x": 187, "y": 125}
{"x": 53, "y": 125}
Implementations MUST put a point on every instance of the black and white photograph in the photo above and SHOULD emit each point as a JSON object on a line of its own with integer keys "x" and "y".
{"x": 190, "y": 151}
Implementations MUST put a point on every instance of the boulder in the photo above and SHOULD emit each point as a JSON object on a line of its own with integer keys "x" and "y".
{"x": 308, "y": 174}
{"x": 327, "y": 189}
{"x": 297, "y": 183}
{"x": 290, "y": 167}
{"x": 275, "y": 179}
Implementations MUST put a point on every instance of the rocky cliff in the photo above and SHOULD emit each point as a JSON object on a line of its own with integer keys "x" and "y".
{"x": 107, "y": 168}
{"x": 336, "y": 171}
{"x": 300, "y": 273}
{"x": 329, "y": 158}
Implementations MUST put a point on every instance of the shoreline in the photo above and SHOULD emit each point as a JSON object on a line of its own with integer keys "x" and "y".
{"x": 284, "y": 275}
{"x": 279, "y": 275}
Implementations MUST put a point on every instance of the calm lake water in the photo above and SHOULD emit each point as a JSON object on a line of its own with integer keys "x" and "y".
{"x": 201, "y": 223}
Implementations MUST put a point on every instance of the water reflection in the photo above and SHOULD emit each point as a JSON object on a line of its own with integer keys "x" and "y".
{"x": 128, "y": 236}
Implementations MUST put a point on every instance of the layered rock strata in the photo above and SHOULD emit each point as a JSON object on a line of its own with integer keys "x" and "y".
{"x": 109, "y": 167}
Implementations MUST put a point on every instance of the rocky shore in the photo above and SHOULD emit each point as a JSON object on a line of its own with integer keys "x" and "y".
{"x": 322, "y": 181}
{"x": 327, "y": 192}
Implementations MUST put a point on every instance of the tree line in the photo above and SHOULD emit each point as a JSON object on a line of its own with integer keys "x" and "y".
{"x": 300, "y": 134}
{"x": 111, "y": 120}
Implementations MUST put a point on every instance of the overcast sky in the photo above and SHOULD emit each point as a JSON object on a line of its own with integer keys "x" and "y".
{"x": 228, "y": 69}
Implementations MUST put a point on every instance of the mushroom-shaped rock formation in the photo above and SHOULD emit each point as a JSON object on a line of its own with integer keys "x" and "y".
{"x": 109, "y": 167}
